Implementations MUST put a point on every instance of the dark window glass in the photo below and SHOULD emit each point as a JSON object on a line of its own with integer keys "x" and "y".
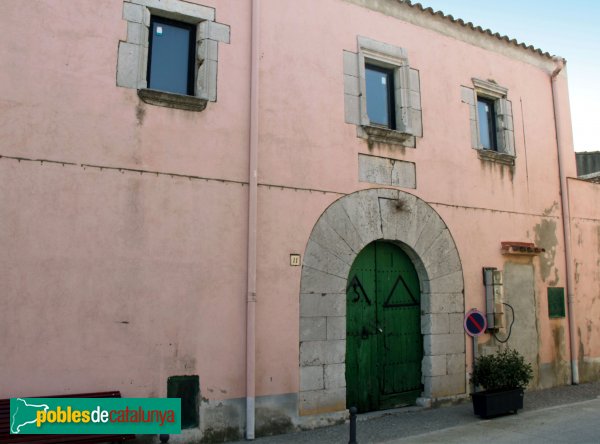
{"x": 380, "y": 96}
{"x": 171, "y": 56}
{"x": 487, "y": 123}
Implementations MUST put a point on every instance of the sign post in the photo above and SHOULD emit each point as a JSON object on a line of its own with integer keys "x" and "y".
{"x": 475, "y": 324}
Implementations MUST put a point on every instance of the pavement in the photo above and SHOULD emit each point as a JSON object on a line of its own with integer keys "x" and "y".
{"x": 568, "y": 414}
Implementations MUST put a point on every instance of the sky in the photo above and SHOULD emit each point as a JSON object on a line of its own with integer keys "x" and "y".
{"x": 570, "y": 29}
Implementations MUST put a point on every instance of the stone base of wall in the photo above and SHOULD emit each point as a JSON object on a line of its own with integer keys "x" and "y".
{"x": 322, "y": 420}
{"x": 225, "y": 420}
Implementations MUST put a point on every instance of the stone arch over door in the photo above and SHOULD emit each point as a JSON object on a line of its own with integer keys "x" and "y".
{"x": 342, "y": 231}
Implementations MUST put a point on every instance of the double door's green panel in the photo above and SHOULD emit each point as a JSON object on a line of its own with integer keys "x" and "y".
{"x": 384, "y": 346}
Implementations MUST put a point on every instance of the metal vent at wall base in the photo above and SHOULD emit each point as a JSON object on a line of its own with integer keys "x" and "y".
{"x": 187, "y": 388}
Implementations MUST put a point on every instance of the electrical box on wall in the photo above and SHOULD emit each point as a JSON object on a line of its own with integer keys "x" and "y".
{"x": 494, "y": 298}
{"x": 498, "y": 287}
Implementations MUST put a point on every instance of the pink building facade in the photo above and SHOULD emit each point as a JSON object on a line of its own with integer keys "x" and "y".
{"x": 213, "y": 234}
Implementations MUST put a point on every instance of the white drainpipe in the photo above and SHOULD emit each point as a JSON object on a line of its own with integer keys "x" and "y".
{"x": 252, "y": 222}
{"x": 559, "y": 123}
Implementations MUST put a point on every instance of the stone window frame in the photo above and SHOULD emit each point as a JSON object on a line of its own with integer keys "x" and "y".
{"x": 505, "y": 139}
{"x": 407, "y": 94}
{"x": 132, "y": 62}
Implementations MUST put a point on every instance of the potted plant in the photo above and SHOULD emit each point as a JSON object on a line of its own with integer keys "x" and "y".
{"x": 503, "y": 377}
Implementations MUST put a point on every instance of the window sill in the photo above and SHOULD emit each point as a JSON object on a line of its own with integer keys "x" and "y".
{"x": 494, "y": 156}
{"x": 171, "y": 100}
{"x": 386, "y": 135}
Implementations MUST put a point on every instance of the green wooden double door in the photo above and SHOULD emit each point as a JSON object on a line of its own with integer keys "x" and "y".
{"x": 384, "y": 345}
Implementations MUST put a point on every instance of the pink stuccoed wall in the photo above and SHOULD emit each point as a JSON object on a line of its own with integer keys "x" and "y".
{"x": 585, "y": 229}
{"x": 117, "y": 279}
{"x": 112, "y": 279}
{"x": 106, "y": 283}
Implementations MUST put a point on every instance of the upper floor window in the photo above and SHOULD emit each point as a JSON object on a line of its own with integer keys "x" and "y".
{"x": 382, "y": 93}
{"x": 380, "y": 96}
{"x": 171, "y": 60}
{"x": 171, "y": 53}
{"x": 487, "y": 123}
{"x": 492, "y": 132}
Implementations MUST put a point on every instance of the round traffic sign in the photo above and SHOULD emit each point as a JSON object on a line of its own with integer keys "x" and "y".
{"x": 475, "y": 323}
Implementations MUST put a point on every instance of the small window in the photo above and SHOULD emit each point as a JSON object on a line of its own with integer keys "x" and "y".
{"x": 380, "y": 96}
{"x": 171, "y": 59}
{"x": 171, "y": 62}
{"x": 491, "y": 121}
{"x": 487, "y": 124}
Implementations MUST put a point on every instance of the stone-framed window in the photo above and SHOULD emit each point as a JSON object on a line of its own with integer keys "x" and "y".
{"x": 492, "y": 133}
{"x": 132, "y": 62}
{"x": 404, "y": 93}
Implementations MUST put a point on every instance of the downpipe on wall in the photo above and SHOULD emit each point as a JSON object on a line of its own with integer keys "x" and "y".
{"x": 566, "y": 216}
{"x": 252, "y": 223}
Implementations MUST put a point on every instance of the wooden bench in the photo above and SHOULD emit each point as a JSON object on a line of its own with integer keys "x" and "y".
{"x": 6, "y": 437}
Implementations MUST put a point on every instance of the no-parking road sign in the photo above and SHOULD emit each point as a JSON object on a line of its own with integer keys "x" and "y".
{"x": 475, "y": 323}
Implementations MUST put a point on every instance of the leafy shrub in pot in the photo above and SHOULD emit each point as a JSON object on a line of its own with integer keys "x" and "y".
{"x": 503, "y": 370}
{"x": 503, "y": 377}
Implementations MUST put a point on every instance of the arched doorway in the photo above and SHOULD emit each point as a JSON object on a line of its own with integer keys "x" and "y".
{"x": 342, "y": 231}
{"x": 384, "y": 345}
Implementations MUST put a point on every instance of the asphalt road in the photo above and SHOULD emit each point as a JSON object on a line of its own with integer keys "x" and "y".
{"x": 571, "y": 423}
{"x": 569, "y": 414}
